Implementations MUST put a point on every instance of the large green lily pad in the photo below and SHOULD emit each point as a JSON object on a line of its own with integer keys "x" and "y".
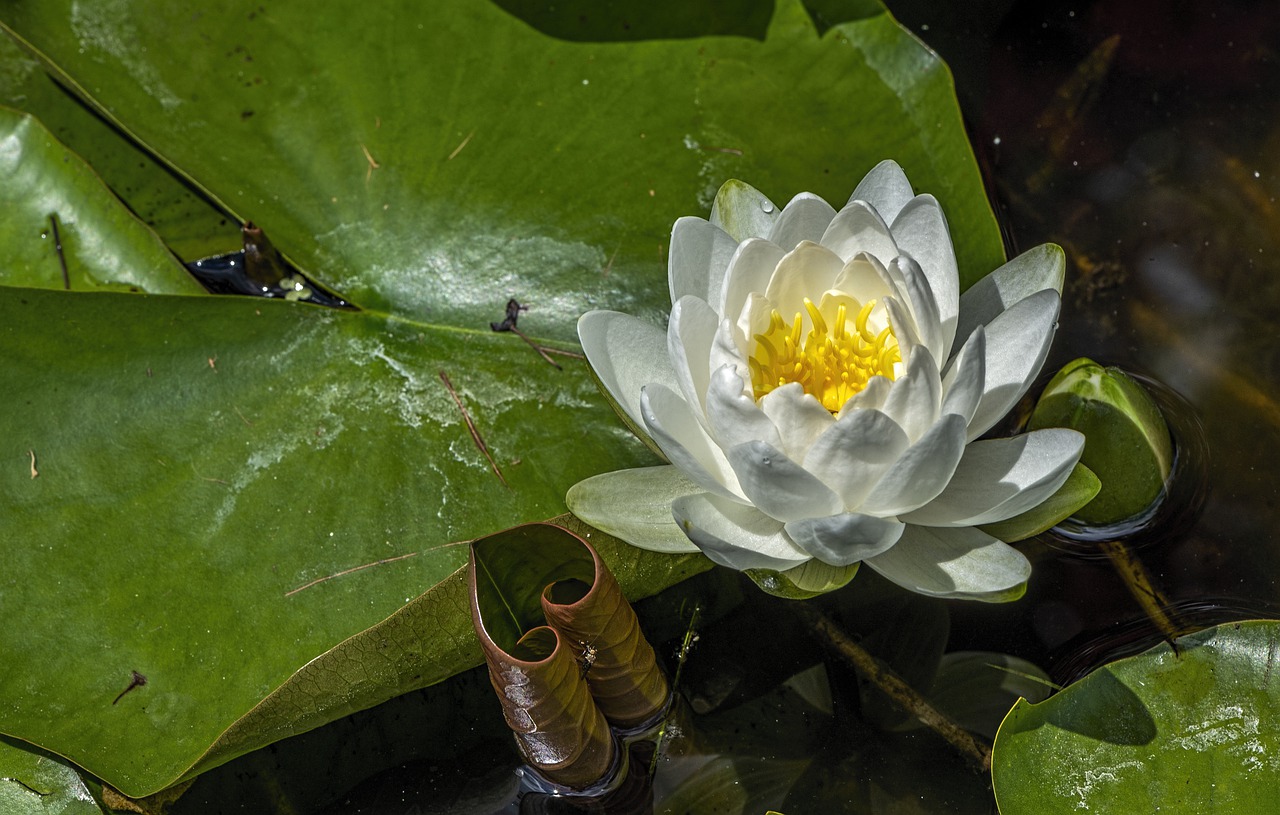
{"x": 260, "y": 506}
{"x": 508, "y": 162}
{"x": 1191, "y": 729}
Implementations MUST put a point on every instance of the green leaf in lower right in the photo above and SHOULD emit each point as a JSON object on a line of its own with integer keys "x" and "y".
{"x": 1183, "y": 728}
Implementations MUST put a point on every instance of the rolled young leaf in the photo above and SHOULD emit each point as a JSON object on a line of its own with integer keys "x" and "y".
{"x": 558, "y": 728}
{"x": 618, "y": 662}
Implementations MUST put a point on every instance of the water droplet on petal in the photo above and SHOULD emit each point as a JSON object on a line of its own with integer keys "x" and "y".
{"x": 767, "y": 206}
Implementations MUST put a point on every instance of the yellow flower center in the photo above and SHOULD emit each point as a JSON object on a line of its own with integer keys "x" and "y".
{"x": 832, "y": 364}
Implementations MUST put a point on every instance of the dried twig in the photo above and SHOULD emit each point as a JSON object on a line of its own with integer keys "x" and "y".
{"x": 345, "y": 572}
{"x": 471, "y": 428}
{"x": 373, "y": 164}
{"x": 458, "y": 149}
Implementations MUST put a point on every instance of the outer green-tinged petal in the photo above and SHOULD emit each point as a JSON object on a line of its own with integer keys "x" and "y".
{"x": 843, "y": 540}
{"x": 736, "y": 535}
{"x": 959, "y": 563}
{"x": 1079, "y": 489}
{"x": 780, "y": 487}
{"x": 635, "y": 505}
{"x": 799, "y": 417}
{"x": 690, "y": 334}
{"x": 1017, "y": 343}
{"x": 965, "y": 378}
{"x": 921, "y": 472}
{"x": 685, "y": 443}
{"x": 626, "y": 354}
{"x": 921, "y": 232}
{"x": 856, "y": 452}
{"x": 743, "y": 211}
{"x": 860, "y": 228}
{"x": 809, "y": 579}
{"x": 1000, "y": 478}
{"x": 699, "y": 255}
{"x": 804, "y": 218}
{"x": 886, "y": 188}
{"x": 916, "y": 397}
{"x": 1034, "y": 270}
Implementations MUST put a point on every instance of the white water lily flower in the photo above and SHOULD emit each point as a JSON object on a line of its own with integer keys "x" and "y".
{"x": 819, "y": 388}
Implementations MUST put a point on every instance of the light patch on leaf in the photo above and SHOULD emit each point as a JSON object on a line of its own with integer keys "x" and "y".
{"x": 104, "y": 26}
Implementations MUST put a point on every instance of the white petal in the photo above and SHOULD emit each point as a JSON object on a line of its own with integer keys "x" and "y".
{"x": 904, "y": 326}
{"x": 626, "y": 354}
{"x": 635, "y": 505}
{"x": 684, "y": 442}
{"x": 730, "y": 348}
{"x": 743, "y": 211}
{"x": 886, "y": 188}
{"x": 805, "y": 218}
{"x": 865, "y": 278}
{"x": 799, "y": 417}
{"x": 749, "y": 271}
{"x": 871, "y": 397}
{"x": 965, "y": 379}
{"x": 915, "y": 399}
{"x": 733, "y": 416}
{"x": 1000, "y": 478}
{"x": 778, "y": 486}
{"x": 856, "y": 452}
{"x": 806, "y": 271}
{"x": 921, "y": 232}
{"x": 699, "y": 255}
{"x": 962, "y": 563}
{"x": 735, "y": 535}
{"x": 842, "y": 540}
{"x": 1032, "y": 271}
{"x": 921, "y": 472}
{"x": 690, "y": 335}
{"x": 1017, "y": 343}
{"x": 859, "y": 228}
{"x": 923, "y": 306}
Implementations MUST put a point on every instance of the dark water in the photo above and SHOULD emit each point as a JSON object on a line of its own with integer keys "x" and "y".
{"x": 1144, "y": 138}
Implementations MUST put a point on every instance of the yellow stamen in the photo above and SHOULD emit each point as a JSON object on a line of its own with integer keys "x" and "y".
{"x": 833, "y": 364}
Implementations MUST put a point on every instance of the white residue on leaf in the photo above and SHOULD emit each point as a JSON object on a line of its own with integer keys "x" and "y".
{"x": 1087, "y": 785}
{"x": 105, "y": 26}
{"x": 474, "y": 265}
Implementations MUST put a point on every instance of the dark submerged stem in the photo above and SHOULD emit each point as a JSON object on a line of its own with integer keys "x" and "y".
{"x": 884, "y": 678}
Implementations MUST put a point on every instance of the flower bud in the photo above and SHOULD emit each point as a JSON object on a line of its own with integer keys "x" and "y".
{"x": 1127, "y": 441}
